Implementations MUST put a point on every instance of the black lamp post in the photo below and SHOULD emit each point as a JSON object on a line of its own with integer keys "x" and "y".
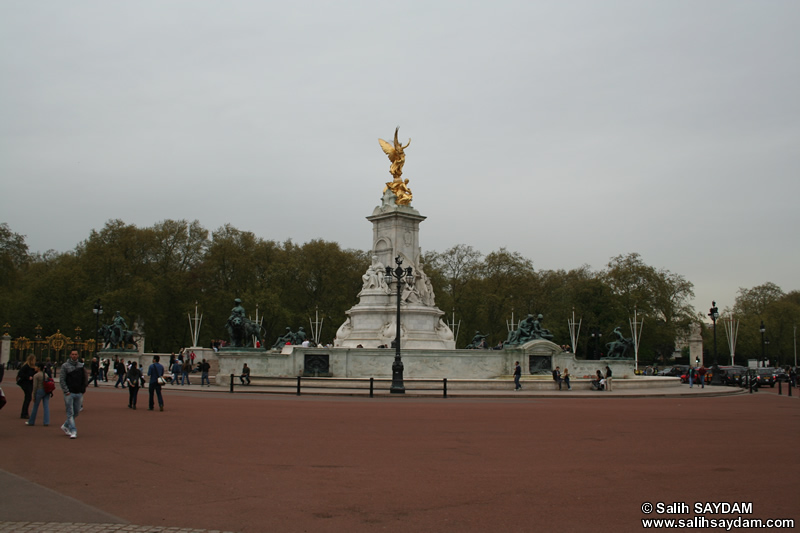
{"x": 397, "y": 367}
{"x": 596, "y": 335}
{"x": 762, "y": 329}
{"x": 98, "y": 310}
{"x": 716, "y": 379}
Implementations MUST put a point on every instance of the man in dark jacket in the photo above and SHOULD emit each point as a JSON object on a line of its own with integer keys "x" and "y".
{"x": 119, "y": 366}
{"x": 73, "y": 382}
{"x": 95, "y": 371}
{"x": 205, "y": 367}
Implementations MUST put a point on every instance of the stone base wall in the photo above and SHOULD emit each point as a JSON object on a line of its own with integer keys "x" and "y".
{"x": 428, "y": 364}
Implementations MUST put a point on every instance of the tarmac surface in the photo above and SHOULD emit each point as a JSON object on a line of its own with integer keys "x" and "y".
{"x": 475, "y": 461}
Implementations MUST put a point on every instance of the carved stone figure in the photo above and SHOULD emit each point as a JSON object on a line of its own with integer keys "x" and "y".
{"x": 619, "y": 347}
{"x": 397, "y": 156}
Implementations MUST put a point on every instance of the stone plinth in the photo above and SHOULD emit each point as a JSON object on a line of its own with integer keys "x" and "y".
{"x": 372, "y": 322}
{"x": 419, "y": 364}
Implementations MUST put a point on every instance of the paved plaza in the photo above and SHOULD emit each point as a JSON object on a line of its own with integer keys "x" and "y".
{"x": 250, "y": 462}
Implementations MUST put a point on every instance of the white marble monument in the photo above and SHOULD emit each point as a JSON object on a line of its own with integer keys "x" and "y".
{"x": 372, "y": 322}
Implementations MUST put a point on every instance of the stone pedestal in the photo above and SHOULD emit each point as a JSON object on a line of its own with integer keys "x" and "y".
{"x": 373, "y": 321}
{"x": 5, "y": 349}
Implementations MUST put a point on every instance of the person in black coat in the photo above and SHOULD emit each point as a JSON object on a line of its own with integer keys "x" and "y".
{"x": 25, "y": 382}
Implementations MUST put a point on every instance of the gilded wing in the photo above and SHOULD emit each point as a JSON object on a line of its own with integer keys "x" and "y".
{"x": 389, "y": 150}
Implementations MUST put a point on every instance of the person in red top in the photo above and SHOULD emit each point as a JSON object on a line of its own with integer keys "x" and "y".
{"x": 701, "y": 376}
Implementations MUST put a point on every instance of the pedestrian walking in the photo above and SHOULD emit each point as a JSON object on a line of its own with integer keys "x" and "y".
{"x": 25, "y": 381}
{"x": 133, "y": 378}
{"x": 73, "y": 384}
{"x": 40, "y": 395}
{"x": 185, "y": 371}
{"x": 155, "y": 372}
{"x": 94, "y": 372}
{"x": 517, "y": 375}
{"x": 120, "y": 369}
{"x": 177, "y": 369}
{"x": 608, "y": 378}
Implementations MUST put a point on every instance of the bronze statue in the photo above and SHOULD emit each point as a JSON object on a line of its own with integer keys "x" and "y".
{"x": 529, "y": 329}
{"x": 398, "y": 158}
{"x": 117, "y": 335}
{"x": 618, "y": 348}
{"x": 241, "y": 329}
{"x": 478, "y": 342}
{"x": 287, "y": 337}
{"x": 539, "y": 332}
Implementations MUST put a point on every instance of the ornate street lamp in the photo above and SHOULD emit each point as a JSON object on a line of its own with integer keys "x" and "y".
{"x": 98, "y": 310}
{"x": 716, "y": 379}
{"x": 762, "y": 329}
{"x": 596, "y": 335}
{"x": 397, "y": 367}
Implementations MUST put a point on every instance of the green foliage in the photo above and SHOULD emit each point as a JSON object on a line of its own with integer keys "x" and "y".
{"x": 155, "y": 275}
{"x": 767, "y": 304}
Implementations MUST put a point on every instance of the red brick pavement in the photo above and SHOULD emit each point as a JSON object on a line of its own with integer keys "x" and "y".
{"x": 255, "y": 463}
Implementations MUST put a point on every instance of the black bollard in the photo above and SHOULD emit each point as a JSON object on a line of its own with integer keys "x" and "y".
{"x": 371, "y": 386}
{"x": 780, "y": 388}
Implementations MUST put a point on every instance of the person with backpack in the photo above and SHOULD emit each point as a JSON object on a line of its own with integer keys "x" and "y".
{"x": 73, "y": 384}
{"x": 25, "y": 382}
{"x": 41, "y": 394}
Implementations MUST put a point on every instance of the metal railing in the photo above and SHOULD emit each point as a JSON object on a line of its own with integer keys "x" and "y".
{"x": 368, "y": 385}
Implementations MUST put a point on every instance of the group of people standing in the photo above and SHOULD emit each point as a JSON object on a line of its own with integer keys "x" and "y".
{"x": 36, "y": 381}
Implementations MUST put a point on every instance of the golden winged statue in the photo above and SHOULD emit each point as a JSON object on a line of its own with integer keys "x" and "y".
{"x": 398, "y": 158}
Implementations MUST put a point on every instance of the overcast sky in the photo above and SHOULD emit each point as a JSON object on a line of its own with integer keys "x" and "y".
{"x": 570, "y": 132}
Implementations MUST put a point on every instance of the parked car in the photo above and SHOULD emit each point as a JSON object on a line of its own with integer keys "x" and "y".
{"x": 766, "y": 376}
{"x": 676, "y": 370}
{"x": 732, "y": 375}
{"x": 782, "y": 375}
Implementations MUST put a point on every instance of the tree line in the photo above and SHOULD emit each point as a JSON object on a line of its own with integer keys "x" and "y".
{"x": 155, "y": 275}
